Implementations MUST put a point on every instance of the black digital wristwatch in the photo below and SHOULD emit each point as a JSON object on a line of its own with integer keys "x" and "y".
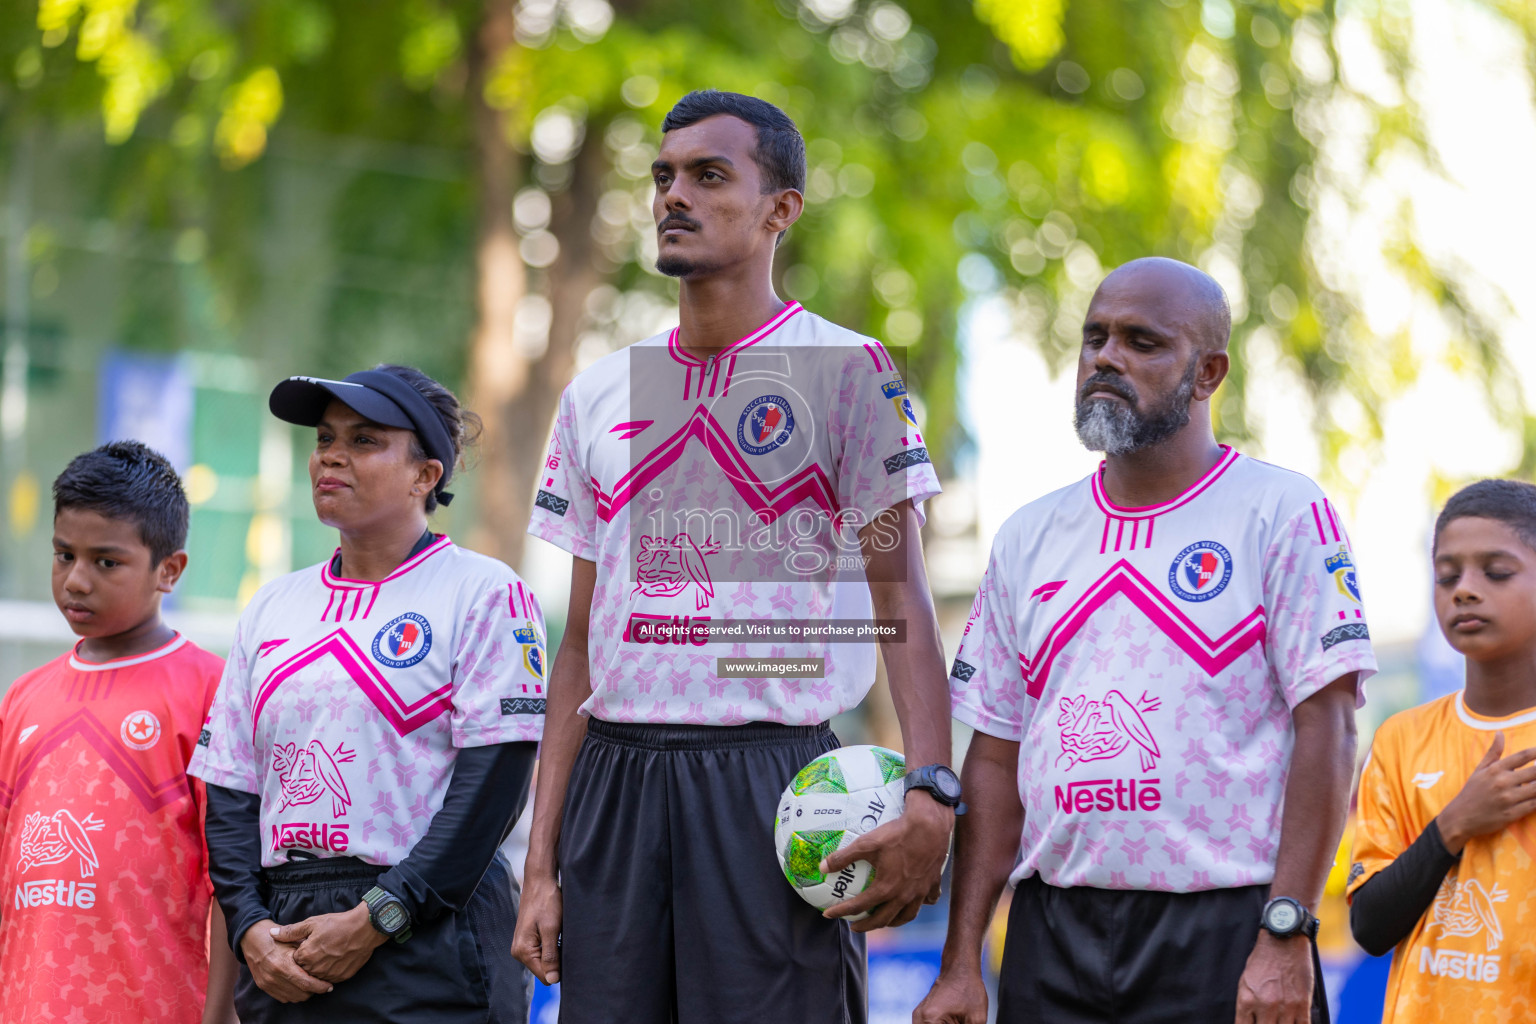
{"x": 387, "y": 914}
{"x": 1284, "y": 917}
{"x": 940, "y": 781}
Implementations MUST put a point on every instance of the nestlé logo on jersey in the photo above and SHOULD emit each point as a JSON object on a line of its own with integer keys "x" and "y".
{"x": 47, "y": 840}
{"x": 765, "y": 424}
{"x": 1200, "y": 571}
{"x": 403, "y": 642}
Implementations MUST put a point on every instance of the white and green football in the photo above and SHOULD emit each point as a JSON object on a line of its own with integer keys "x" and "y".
{"x": 831, "y": 802}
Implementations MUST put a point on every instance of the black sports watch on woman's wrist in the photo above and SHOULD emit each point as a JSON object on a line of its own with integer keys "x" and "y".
{"x": 940, "y": 781}
{"x": 1284, "y": 917}
{"x": 387, "y": 914}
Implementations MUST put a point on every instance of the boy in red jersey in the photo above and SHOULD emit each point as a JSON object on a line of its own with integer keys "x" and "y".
{"x": 104, "y": 892}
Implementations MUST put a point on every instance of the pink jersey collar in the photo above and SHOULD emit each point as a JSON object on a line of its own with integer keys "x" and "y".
{"x": 773, "y": 323}
{"x": 169, "y": 647}
{"x": 1229, "y": 455}
{"x": 338, "y": 583}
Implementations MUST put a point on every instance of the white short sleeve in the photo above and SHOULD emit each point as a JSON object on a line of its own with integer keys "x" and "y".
{"x": 565, "y": 508}
{"x": 226, "y": 753}
{"x": 499, "y": 669}
{"x": 986, "y": 684}
{"x": 1316, "y": 623}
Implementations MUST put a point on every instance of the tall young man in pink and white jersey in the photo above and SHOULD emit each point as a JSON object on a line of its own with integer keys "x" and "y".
{"x": 1162, "y": 668}
{"x": 756, "y": 464}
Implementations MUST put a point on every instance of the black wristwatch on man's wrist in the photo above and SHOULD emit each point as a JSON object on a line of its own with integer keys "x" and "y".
{"x": 387, "y": 914}
{"x": 1284, "y": 917}
{"x": 940, "y": 781}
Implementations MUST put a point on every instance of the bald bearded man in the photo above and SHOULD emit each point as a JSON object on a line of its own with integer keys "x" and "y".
{"x": 1162, "y": 667}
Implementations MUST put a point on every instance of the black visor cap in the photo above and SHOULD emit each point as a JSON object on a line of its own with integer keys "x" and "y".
{"x": 303, "y": 400}
{"x": 377, "y": 396}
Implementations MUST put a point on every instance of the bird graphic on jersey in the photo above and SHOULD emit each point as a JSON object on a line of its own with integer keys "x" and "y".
{"x": 1096, "y": 730}
{"x": 1466, "y": 909}
{"x": 306, "y": 775}
{"x": 46, "y": 840}
{"x": 668, "y": 567}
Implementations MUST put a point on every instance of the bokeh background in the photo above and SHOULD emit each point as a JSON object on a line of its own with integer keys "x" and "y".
{"x": 200, "y": 198}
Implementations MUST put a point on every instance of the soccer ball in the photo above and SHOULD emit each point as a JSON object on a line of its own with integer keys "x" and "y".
{"x": 831, "y": 802}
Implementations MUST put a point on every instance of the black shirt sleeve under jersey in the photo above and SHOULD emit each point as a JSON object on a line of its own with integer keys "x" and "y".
{"x": 234, "y": 858}
{"x": 484, "y": 798}
{"x": 1384, "y": 910}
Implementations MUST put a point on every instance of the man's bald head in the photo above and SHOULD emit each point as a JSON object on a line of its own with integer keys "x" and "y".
{"x": 1185, "y": 294}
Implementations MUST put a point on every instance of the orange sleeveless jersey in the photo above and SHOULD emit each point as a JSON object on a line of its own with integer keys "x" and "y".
{"x": 1472, "y": 956}
{"x": 103, "y": 869}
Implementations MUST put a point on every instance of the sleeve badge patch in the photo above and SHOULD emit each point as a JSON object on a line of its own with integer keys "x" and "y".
{"x": 552, "y": 503}
{"x": 905, "y": 460}
{"x": 1342, "y": 569}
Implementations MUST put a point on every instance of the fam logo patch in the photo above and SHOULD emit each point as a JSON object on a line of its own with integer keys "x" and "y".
{"x": 766, "y": 423}
{"x": 140, "y": 730}
{"x": 522, "y": 705}
{"x": 533, "y": 651}
{"x": 1345, "y": 633}
{"x": 962, "y": 671}
{"x": 896, "y": 391}
{"x": 552, "y": 503}
{"x": 1200, "y": 571}
{"x": 403, "y": 642}
{"x": 1342, "y": 569}
{"x": 905, "y": 460}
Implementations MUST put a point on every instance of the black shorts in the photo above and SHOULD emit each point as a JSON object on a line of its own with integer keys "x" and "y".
{"x": 675, "y": 908}
{"x": 1081, "y": 955}
{"x": 454, "y": 970}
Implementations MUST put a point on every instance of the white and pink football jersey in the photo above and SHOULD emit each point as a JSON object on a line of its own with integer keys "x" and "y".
{"x": 1147, "y": 659}
{"x": 729, "y": 489}
{"x": 343, "y": 701}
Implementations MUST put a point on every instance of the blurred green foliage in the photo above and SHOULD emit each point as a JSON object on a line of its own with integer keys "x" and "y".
{"x": 1013, "y": 147}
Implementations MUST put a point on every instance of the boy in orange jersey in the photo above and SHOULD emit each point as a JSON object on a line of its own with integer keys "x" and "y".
{"x": 104, "y": 892}
{"x": 1445, "y": 844}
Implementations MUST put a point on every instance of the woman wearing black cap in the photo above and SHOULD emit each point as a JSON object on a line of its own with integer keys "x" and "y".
{"x": 373, "y": 736}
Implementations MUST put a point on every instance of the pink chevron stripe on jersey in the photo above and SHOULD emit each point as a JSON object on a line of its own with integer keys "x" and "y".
{"x": 768, "y": 502}
{"x": 1122, "y": 578}
{"x": 405, "y": 718}
{"x": 150, "y": 794}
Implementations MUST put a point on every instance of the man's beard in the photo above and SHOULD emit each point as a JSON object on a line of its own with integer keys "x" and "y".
{"x": 1115, "y": 429}
{"x": 678, "y": 265}
{"x": 674, "y": 264}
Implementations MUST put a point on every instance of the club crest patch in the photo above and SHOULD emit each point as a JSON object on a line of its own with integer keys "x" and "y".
{"x": 896, "y": 391}
{"x": 1342, "y": 568}
{"x": 1200, "y": 571}
{"x": 766, "y": 423}
{"x": 403, "y": 642}
{"x": 533, "y": 651}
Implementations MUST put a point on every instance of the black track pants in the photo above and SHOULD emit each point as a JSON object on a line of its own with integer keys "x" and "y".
{"x": 457, "y": 969}
{"x": 1094, "y": 956}
{"x": 675, "y": 909}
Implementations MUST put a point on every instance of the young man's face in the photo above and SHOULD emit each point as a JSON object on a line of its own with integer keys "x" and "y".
{"x": 1485, "y": 589}
{"x": 710, "y": 209}
{"x": 105, "y": 580}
